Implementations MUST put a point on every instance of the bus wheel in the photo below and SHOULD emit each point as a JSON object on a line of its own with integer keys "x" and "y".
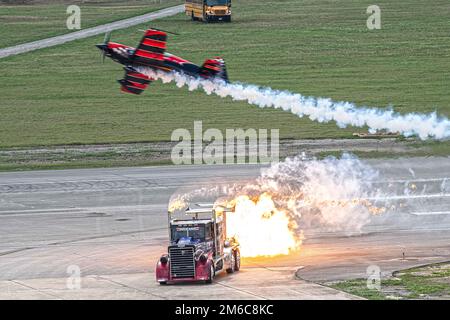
{"x": 192, "y": 16}
{"x": 228, "y": 19}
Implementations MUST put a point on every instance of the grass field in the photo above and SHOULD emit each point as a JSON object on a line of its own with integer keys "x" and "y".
{"x": 425, "y": 282}
{"x": 41, "y": 19}
{"x": 64, "y": 95}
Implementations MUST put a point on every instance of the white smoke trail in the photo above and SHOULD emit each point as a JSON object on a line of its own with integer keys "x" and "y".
{"x": 317, "y": 109}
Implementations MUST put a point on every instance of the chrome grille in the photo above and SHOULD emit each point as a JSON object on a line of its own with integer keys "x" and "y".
{"x": 182, "y": 263}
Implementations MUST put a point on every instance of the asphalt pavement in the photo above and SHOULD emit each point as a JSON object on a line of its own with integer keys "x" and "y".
{"x": 111, "y": 226}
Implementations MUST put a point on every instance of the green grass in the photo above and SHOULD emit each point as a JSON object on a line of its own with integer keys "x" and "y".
{"x": 359, "y": 288}
{"x": 64, "y": 95}
{"x": 424, "y": 282}
{"x": 24, "y": 23}
{"x": 70, "y": 158}
{"x": 82, "y": 164}
{"x": 412, "y": 149}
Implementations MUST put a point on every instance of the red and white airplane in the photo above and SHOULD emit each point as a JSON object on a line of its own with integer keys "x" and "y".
{"x": 151, "y": 53}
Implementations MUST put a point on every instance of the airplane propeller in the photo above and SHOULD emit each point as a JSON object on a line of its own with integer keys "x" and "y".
{"x": 106, "y": 40}
{"x": 107, "y": 37}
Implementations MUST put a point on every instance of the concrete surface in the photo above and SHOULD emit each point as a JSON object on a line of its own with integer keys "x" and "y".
{"x": 112, "y": 224}
{"x": 89, "y": 32}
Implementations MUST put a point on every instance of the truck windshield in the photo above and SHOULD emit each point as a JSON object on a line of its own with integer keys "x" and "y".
{"x": 217, "y": 2}
{"x": 195, "y": 232}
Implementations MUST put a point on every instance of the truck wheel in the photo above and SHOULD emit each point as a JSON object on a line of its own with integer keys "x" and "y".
{"x": 233, "y": 263}
{"x": 211, "y": 274}
{"x": 192, "y": 16}
{"x": 237, "y": 260}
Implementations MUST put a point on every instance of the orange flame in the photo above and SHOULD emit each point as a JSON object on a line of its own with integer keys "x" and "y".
{"x": 261, "y": 228}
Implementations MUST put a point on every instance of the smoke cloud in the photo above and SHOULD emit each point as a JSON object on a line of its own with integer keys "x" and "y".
{"x": 322, "y": 110}
{"x": 329, "y": 195}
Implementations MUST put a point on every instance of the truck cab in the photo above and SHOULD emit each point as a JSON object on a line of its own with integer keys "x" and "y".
{"x": 198, "y": 247}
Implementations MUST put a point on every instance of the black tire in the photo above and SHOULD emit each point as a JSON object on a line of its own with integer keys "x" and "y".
{"x": 237, "y": 260}
{"x": 206, "y": 18}
{"x": 211, "y": 274}
{"x": 228, "y": 19}
{"x": 192, "y": 16}
{"x": 233, "y": 263}
{"x": 163, "y": 283}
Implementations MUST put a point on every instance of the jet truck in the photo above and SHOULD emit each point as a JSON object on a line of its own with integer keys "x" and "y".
{"x": 199, "y": 247}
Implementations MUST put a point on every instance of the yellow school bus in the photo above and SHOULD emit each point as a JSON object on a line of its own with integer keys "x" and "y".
{"x": 209, "y": 10}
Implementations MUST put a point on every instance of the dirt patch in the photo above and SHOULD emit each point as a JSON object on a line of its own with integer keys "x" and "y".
{"x": 106, "y": 155}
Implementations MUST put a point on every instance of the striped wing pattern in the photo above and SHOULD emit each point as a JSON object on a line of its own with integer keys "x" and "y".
{"x": 134, "y": 82}
{"x": 150, "y": 51}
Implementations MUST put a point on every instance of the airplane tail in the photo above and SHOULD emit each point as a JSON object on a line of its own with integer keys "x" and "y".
{"x": 214, "y": 68}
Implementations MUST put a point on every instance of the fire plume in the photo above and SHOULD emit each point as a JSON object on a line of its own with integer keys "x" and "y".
{"x": 267, "y": 215}
{"x": 260, "y": 227}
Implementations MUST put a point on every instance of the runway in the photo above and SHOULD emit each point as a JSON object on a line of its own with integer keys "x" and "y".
{"x": 111, "y": 225}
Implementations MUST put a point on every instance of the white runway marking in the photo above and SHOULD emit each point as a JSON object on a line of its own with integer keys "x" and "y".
{"x": 414, "y": 180}
{"x": 412, "y": 196}
{"x": 30, "y": 212}
{"x": 430, "y": 213}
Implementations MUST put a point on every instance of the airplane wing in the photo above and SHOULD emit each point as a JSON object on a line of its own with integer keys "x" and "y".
{"x": 150, "y": 51}
{"x": 134, "y": 82}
